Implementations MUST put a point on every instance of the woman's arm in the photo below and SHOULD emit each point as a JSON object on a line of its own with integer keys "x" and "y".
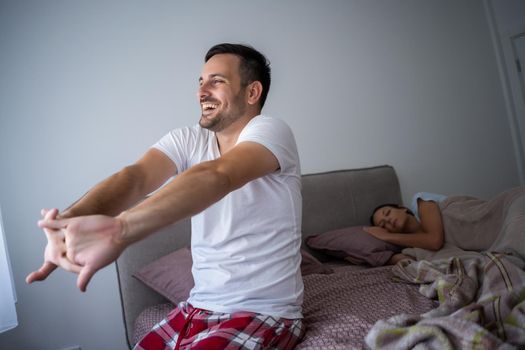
{"x": 429, "y": 235}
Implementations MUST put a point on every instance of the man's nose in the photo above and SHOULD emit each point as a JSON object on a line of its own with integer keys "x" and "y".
{"x": 202, "y": 92}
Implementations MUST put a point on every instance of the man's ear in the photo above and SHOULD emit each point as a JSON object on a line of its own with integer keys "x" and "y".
{"x": 254, "y": 92}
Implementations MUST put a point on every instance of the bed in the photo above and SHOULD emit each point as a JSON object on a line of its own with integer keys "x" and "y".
{"x": 351, "y": 299}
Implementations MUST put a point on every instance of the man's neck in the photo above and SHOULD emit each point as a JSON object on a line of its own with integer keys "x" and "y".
{"x": 227, "y": 138}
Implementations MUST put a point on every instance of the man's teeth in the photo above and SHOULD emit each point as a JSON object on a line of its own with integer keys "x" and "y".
{"x": 207, "y": 106}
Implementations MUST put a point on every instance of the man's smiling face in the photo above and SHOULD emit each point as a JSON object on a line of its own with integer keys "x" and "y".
{"x": 221, "y": 93}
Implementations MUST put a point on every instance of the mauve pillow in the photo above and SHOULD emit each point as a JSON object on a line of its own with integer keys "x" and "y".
{"x": 310, "y": 265}
{"x": 170, "y": 275}
{"x": 355, "y": 245}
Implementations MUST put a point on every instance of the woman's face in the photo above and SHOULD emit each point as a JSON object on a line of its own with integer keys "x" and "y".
{"x": 391, "y": 219}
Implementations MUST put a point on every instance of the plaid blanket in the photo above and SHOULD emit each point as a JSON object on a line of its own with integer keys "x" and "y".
{"x": 481, "y": 306}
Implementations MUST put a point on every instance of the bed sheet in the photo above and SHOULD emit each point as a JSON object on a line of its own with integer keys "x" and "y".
{"x": 339, "y": 309}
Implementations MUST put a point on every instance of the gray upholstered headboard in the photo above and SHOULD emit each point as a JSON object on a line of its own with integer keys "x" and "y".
{"x": 331, "y": 200}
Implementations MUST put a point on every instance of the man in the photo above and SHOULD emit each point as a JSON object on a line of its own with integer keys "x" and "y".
{"x": 238, "y": 177}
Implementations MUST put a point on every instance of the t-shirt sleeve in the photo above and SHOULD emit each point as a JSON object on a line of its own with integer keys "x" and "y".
{"x": 426, "y": 196}
{"x": 175, "y": 145}
{"x": 277, "y": 137}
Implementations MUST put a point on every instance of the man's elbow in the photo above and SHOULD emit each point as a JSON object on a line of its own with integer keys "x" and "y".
{"x": 216, "y": 177}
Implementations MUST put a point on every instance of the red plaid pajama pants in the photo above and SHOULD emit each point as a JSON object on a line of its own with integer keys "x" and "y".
{"x": 187, "y": 327}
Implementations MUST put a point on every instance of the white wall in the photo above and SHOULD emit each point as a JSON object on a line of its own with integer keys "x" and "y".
{"x": 507, "y": 21}
{"x": 87, "y": 86}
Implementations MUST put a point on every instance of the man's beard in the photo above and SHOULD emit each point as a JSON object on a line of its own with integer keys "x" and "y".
{"x": 224, "y": 119}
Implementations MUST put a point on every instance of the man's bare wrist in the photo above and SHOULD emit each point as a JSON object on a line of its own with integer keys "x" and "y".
{"x": 66, "y": 214}
{"x": 125, "y": 236}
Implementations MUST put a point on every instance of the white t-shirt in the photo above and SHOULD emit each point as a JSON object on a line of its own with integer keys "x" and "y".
{"x": 246, "y": 247}
{"x": 426, "y": 196}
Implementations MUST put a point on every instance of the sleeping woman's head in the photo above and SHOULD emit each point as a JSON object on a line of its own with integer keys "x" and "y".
{"x": 393, "y": 218}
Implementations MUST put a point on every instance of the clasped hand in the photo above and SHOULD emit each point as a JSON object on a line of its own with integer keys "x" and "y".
{"x": 82, "y": 245}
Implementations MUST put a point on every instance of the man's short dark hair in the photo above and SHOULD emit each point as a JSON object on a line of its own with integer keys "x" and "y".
{"x": 388, "y": 205}
{"x": 254, "y": 66}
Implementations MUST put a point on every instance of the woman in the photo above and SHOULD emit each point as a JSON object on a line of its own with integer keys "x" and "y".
{"x": 467, "y": 223}
{"x": 421, "y": 227}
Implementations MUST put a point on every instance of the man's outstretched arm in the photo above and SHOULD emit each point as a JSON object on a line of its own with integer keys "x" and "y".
{"x": 125, "y": 188}
{"x": 109, "y": 197}
{"x": 198, "y": 188}
{"x": 95, "y": 241}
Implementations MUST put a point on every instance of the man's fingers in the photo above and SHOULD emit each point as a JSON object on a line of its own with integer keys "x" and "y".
{"x": 49, "y": 213}
{"x": 33, "y": 276}
{"x": 50, "y": 220}
{"x": 68, "y": 265}
{"x": 84, "y": 277}
{"x": 53, "y": 224}
{"x": 42, "y": 273}
{"x": 48, "y": 267}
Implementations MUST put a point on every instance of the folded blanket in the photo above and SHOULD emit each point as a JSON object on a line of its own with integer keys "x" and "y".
{"x": 481, "y": 306}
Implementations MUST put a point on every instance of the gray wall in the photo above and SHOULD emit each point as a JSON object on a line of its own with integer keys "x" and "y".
{"x": 507, "y": 22}
{"x": 87, "y": 86}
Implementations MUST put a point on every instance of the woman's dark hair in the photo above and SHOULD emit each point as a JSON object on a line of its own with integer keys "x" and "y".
{"x": 388, "y": 205}
{"x": 254, "y": 66}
